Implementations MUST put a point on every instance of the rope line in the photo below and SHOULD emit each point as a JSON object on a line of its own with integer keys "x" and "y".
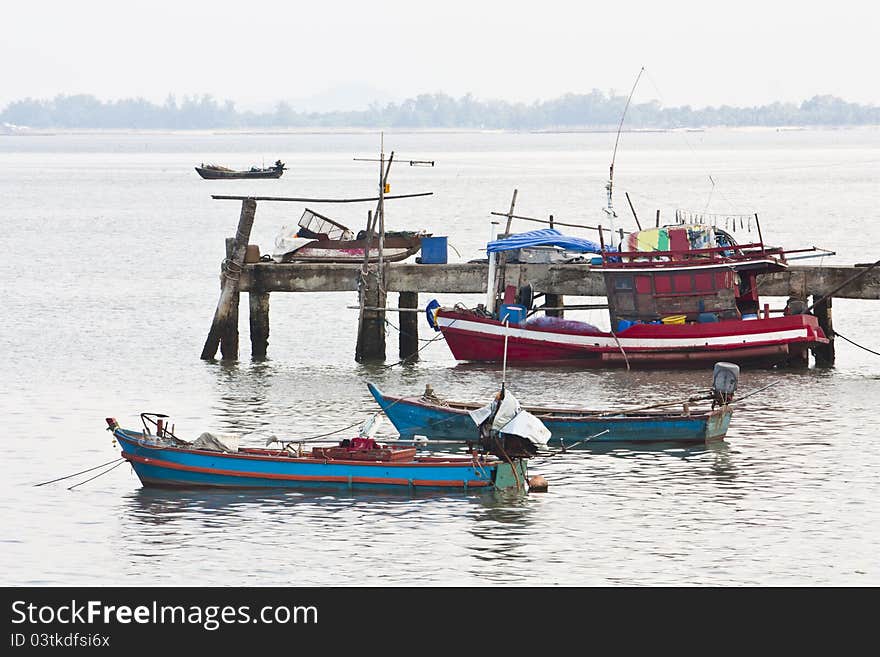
{"x": 855, "y": 344}
{"x": 52, "y": 481}
{"x": 97, "y": 475}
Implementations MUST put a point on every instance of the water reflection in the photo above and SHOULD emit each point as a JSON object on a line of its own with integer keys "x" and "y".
{"x": 160, "y": 506}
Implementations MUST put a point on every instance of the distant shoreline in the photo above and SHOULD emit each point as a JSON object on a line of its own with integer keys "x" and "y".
{"x": 46, "y": 132}
{"x": 587, "y": 112}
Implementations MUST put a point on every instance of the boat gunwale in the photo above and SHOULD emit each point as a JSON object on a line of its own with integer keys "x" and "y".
{"x": 279, "y": 456}
{"x": 550, "y": 413}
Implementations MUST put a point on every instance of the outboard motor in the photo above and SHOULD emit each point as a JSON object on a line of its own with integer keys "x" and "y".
{"x": 725, "y": 376}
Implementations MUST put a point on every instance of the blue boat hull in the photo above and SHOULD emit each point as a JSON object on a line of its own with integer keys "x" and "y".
{"x": 162, "y": 465}
{"x": 415, "y": 417}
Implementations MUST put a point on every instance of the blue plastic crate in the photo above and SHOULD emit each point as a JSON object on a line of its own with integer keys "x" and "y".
{"x": 433, "y": 250}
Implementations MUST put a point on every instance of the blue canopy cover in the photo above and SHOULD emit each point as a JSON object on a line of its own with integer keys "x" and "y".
{"x": 543, "y": 237}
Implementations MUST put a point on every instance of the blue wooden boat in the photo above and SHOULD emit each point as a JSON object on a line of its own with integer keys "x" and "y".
{"x": 161, "y": 459}
{"x": 436, "y": 419}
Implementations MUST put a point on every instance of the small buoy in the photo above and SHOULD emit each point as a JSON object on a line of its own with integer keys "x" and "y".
{"x": 537, "y": 484}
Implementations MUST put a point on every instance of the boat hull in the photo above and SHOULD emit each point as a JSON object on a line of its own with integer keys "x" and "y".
{"x": 414, "y": 416}
{"x": 352, "y": 251}
{"x": 165, "y": 466}
{"x": 214, "y": 174}
{"x": 748, "y": 343}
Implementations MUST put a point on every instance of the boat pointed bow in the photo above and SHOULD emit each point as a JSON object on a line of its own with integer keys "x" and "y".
{"x": 377, "y": 395}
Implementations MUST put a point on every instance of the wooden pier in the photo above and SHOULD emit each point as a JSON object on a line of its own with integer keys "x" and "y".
{"x": 809, "y": 284}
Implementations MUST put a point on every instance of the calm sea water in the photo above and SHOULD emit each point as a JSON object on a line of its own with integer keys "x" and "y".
{"x": 109, "y": 282}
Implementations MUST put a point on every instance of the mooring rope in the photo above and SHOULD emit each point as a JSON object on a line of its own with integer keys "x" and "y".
{"x": 855, "y": 344}
{"x": 52, "y": 481}
{"x": 620, "y": 346}
{"x": 410, "y": 357}
{"x": 100, "y": 474}
{"x": 410, "y": 335}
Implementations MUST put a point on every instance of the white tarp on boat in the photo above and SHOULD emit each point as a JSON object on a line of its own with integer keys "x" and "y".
{"x": 217, "y": 442}
{"x": 311, "y": 226}
{"x": 511, "y": 419}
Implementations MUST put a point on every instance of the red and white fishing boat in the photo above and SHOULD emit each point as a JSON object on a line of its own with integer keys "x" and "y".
{"x": 678, "y": 296}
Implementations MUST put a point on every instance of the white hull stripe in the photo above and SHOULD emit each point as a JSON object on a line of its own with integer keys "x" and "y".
{"x": 634, "y": 343}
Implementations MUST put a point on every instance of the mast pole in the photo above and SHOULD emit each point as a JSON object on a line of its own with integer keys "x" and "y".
{"x": 490, "y": 279}
{"x": 609, "y": 210}
{"x": 382, "y": 182}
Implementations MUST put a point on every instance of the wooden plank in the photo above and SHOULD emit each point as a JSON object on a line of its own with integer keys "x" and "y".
{"x": 224, "y": 197}
{"x": 568, "y": 280}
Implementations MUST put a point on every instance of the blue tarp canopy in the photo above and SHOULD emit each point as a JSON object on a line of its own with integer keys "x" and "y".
{"x": 543, "y": 237}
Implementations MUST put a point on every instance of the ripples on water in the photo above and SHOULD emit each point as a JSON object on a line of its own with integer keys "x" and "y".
{"x": 109, "y": 291}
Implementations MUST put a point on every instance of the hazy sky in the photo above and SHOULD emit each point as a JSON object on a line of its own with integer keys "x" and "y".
{"x": 700, "y": 52}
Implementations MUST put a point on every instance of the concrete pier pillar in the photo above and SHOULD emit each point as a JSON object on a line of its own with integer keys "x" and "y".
{"x": 259, "y": 320}
{"x": 409, "y": 326}
{"x": 371, "y": 331}
{"x": 554, "y": 300}
{"x": 824, "y": 353}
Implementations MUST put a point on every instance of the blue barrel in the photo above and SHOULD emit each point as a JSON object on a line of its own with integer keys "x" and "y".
{"x": 515, "y": 314}
{"x": 434, "y": 250}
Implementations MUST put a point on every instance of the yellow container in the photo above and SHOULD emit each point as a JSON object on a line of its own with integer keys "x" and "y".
{"x": 674, "y": 319}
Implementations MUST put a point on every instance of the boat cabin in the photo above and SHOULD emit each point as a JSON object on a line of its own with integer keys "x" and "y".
{"x": 685, "y": 273}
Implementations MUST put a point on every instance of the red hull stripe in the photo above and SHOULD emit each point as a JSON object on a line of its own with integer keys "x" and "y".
{"x": 313, "y": 478}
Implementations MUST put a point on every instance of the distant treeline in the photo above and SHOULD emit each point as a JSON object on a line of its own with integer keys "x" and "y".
{"x": 595, "y": 109}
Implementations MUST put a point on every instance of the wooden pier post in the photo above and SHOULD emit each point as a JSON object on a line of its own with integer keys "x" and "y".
{"x": 224, "y": 327}
{"x": 409, "y": 326}
{"x": 554, "y": 301}
{"x": 824, "y": 353}
{"x": 371, "y": 332}
{"x": 259, "y": 321}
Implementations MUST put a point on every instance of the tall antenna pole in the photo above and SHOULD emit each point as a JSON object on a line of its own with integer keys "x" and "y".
{"x": 609, "y": 210}
{"x": 382, "y": 181}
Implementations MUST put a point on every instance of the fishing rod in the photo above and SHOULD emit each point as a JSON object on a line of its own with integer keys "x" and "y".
{"x": 610, "y": 209}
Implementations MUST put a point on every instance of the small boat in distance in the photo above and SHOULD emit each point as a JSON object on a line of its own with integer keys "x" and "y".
{"x": 216, "y": 172}
{"x": 702, "y": 418}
